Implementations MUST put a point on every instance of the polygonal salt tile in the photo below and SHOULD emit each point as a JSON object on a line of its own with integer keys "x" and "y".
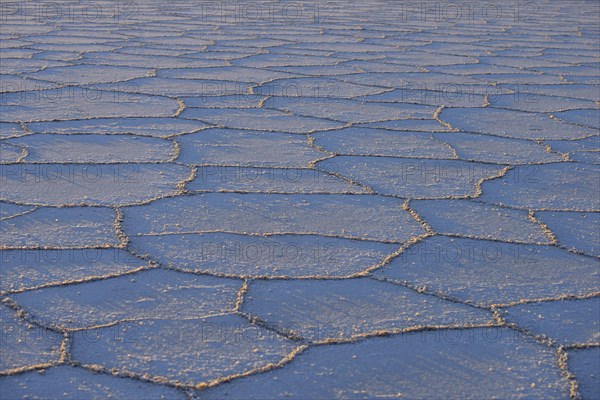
{"x": 361, "y": 47}
{"x": 23, "y": 65}
{"x": 379, "y": 142}
{"x": 158, "y": 127}
{"x": 416, "y": 81}
{"x": 148, "y": 61}
{"x": 246, "y": 148}
{"x": 582, "y": 150}
{"x": 589, "y": 117}
{"x": 24, "y": 344}
{"x": 70, "y": 103}
{"x": 88, "y": 74}
{"x": 577, "y": 91}
{"x": 89, "y": 184}
{"x": 153, "y": 294}
{"x": 258, "y": 256}
{"x": 58, "y": 55}
{"x": 425, "y": 125}
{"x": 275, "y": 60}
{"x": 575, "y": 230}
{"x": 233, "y": 74}
{"x": 60, "y": 227}
{"x": 564, "y": 186}
{"x": 585, "y": 365}
{"x": 413, "y": 178}
{"x": 174, "y": 88}
{"x": 233, "y": 101}
{"x": 17, "y": 83}
{"x": 18, "y": 53}
{"x": 588, "y": 80}
{"x": 450, "y": 97}
{"x": 71, "y": 383}
{"x": 83, "y": 148}
{"x": 577, "y": 70}
{"x": 23, "y": 269}
{"x": 323, "y": 70}
{"x": 8, "y": 210}
{"x": 73, "y": 47}
{"x": 188, "y": 42}
{"x": 374, "y": 66}
{"x": 259, "y": 119}
{"x": 470, "y": 69}
{"x": 483, "y": 221}
{"x": 508, "y": 123}
{"x": 438, "y": 87}
{"x": 10, "y": 153}
{"x": 192, "y": 352}
{"x": 349, "y": 216}
{"x": 487, "y": 272}
{"x": 268, "y": 180}
{"x": 516, "y": 79}
{"x": 520, "y": 62}
{"x": 402, "y": 366}
{"x": 568, "y": 322}
{"x": 8, "y": 129}
{"x": 349, "y": 110}
{"x": 342, "y": 309}
{"x": 538, "y": 103}
{"x": 423, "y": 59}
{"x": 495, "y": 149}
{"x": 316, "y": 87}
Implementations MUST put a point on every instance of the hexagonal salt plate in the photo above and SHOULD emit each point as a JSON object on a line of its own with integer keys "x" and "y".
{"x": 232, "y": 74}
{"x": 89, "y": 74}
{"x": 89, "y": 184}
{"x": 156, "y": 127}
{"x": 192, "y": 352}
{"x": 73, "y": 102}
{"x": 380, "y": 142}
{"x": 495, "y": 149}
{"x": 154, "y": 86}
{"x": 152, "y": 294}
{"x": 27, "y": 269}
{"x": 402, "y": 366}
{"x": 246, "y": 148}
{"x": 316, "y": 87}
{"x": 71, "y": 383}
{"x": 260, "y": 119}
{"x": 561, "y": 186}
{"x": 575, "y": 230}
{"x": 581, "y": 150}
{"x": 568, "y": 322}
{"x": 10, "y": 153}
{"x": 537, "y": 103}
{"x": 297, "y": 256}
{"x": 349, "y": 110}
{"x": 477, "y": 220}
{"x": 413, "y": 178}
{"x": 24, "y": 344}
{"x": 515, "y": 124}
{"x": 580, "y": 117}
{"x": 269, "y": 180}
{"x": 487, "y": 272}
{"x": 348, "y": 216}
{"x": 60, "y": 228}
{"x": 342, "y": 309}
{"x": 9, "y": 210}
{"x": 89, "y": 149}
{"x": 585, "y": 365}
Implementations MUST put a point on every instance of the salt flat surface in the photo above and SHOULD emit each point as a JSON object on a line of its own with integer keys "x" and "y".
{"x": 305, "y": 200}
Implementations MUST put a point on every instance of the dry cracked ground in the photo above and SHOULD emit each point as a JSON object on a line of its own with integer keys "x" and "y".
{"x": 304, "y": 200}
